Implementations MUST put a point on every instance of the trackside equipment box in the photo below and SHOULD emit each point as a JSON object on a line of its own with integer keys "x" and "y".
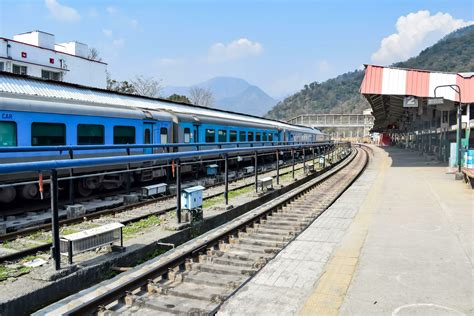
{"x": 212, "y": 170}
{"x": 191, "y": 198}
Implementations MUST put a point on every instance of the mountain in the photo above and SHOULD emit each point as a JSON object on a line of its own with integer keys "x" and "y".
{"x": 232, "y": 94}
{"x": 453, "y": 53}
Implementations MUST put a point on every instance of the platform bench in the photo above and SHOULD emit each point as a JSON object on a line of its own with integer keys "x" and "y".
{"x": 468, "y": 176}
{"x": 265, "y": 183}
{"x": 93, "y": 238}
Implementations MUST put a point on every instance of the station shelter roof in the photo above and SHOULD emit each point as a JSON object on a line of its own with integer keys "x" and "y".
{"x": 386, "y": 87}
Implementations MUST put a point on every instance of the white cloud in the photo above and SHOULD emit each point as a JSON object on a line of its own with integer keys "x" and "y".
{"x": 111, "y": 10}
{"x": 118, "y": 42}
{"x": 134, "y": 23}
{"x": 237, "y": 49}
{"x": 415, "y": 32}
{"x": 107, "y": 32}
{"x": 61, "y": 12}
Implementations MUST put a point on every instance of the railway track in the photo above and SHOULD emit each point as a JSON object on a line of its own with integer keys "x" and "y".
{"x": 197, "y": 277}
{"x": 112, "y": 211}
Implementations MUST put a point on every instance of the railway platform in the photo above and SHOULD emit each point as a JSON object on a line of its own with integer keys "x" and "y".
{"x": 398, "y": 241}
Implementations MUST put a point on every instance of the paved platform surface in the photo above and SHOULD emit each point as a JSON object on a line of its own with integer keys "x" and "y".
{"x": 398, "y": 242}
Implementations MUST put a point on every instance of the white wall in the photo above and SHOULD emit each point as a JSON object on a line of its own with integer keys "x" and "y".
{"x": 76, "y": 70}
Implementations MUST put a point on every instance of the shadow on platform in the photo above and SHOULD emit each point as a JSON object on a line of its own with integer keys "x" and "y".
{"x": 408, "y": 158}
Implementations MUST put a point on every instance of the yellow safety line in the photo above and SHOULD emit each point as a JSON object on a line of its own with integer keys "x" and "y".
{"x": 331, "y": 289}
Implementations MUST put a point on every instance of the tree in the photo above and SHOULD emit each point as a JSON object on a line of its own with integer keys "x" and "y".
{"x": 94, "y": 54}
{"x": 201, "y": 96}
{"x": 179, "y": 98}
{"x": 146, "y": 86}
{"x": 120, "y": 86}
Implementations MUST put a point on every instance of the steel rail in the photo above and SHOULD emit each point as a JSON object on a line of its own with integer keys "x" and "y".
{"x": 46, "y": 227}
{"x": 9, "y": 168}
{"x": 207, "y": 240}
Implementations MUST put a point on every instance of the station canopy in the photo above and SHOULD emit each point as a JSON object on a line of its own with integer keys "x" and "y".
{"x": 392, "y": 91}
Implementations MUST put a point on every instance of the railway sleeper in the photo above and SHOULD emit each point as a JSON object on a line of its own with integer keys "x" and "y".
{"x": 293, "y": 217}
{"x": 235, "y": 262}
{"x": 256, "y": 249}
{"x": 212, "y": 279}
{"x": 287, "y": 226}
{"x": 286, "y": 221}
{"x": 277, "y": 231}
{"x": 223, "y": 269}
{"x": 260, "y": 242}
{"x": 239, "y": 255}
{"x": 270, "y": 237}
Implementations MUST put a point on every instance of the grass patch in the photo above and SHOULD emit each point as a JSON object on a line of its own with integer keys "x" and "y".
{"x": 136, "y": 227}
{"x": 12, "y": 271}
{"x": 220, "y": 198}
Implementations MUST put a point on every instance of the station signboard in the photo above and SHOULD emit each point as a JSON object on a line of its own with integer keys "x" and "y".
{"x": 410, "y": 102}
{"x": 435, "y": 101}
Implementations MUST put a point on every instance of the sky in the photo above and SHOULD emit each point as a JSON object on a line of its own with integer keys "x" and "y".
{"x": 277, "y": 45}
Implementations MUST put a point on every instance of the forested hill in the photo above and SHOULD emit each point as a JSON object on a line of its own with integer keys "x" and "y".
{"x": 453, "y": 53}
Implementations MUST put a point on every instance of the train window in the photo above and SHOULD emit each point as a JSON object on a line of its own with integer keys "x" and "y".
{"x": 258, "y": 137}
{"x": 264, "y": 137}
{"x": 210, "y": 136}
{"x": 233, "y": 136}
{"x": 222, "y": 136}
{"x": 124, "y": 135}
{"x": 187, "y": 135}
{"x": 7, "y": 134}
{"x": 90, "y": 134}
{"x": 242, "y": 136}
{"x": 250, "y": 136}
{"x": 163, "y": 135}
{"x": 270, "y": 137}
{"x": 48, "y": 134}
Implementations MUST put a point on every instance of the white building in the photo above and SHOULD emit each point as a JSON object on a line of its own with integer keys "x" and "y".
{"x": 36, "y": 54}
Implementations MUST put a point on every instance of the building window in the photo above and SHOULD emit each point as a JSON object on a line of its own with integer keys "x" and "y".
{"x": 210, "y": 136}
{"x": 222, "y": 136}
{"x": 233, "y": 136}
{"x": 50, "y": 75}
{"x": 163, "y": 135}
{"x": 187, "y": 135}
{"x": 19, "y": 70}
{"x": 90, "y": 134}
{"x": 124, "y": 135}
{"x": 48, "y": 134}
{"x": 7, "y": 134}
{"x": 242, "y": 136}
{"x": 258, "y": 137}
{"x": 250, "y": 136}
{"x": 2, "y": 66}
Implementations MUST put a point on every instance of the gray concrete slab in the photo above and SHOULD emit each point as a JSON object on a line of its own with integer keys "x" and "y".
{"x": 417, "y": 258}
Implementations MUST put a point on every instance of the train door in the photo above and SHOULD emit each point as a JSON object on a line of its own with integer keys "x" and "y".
{"x": 195, "y": 133}
{"x": 148, "y": 137}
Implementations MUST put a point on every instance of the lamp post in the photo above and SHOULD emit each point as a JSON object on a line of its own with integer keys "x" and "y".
{"x": 456, "y": 89}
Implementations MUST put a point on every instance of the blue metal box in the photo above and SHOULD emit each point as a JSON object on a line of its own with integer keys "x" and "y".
{"x": 191, "y": 198}
{"x": 212, "y": 170}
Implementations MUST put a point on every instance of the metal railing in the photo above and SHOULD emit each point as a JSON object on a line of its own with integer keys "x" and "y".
{"x": 52, "y": 167}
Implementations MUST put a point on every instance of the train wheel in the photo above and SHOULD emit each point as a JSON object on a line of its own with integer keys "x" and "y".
{"x": 29, "y": 191}
{"x": 7, "y": 195}
{"x": 82, "y": 188}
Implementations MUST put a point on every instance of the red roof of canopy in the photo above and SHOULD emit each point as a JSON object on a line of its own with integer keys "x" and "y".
{"x": 413, "y": 82}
